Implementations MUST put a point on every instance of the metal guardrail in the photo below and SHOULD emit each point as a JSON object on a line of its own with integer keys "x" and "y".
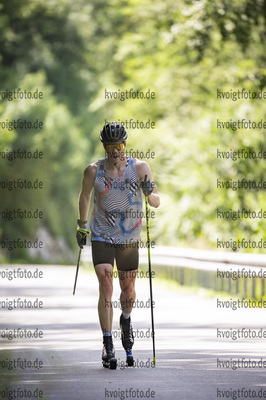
{"x": 241, "y": 274}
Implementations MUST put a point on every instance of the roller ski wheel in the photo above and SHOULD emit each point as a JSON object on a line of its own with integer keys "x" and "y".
{"x": 130, "y": 359}
{"x": 108, "y": 354}
{"x": 111, "y": 363}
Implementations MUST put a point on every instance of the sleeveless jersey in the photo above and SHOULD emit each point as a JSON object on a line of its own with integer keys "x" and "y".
{"x": 117, "y": 214}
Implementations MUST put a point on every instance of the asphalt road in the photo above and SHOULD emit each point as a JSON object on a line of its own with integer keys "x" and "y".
{"x": 65, "y": 363}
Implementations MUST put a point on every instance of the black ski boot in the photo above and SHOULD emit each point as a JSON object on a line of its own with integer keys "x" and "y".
{"x": 108, "y": 354}
{"x": 127, "y": 338}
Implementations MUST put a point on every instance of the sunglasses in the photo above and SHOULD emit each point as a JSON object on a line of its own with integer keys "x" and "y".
{"x": 110, "y": 147}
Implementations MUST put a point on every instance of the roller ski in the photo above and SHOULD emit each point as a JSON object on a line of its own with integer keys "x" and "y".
{"x": 127, "y": 339}
{"x": 108, "y": 354}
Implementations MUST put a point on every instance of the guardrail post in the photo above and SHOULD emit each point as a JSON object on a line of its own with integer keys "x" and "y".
{"x": 181, "y": 276}
{"x": 237, "y": 286}
{"x": 253, "y": 288}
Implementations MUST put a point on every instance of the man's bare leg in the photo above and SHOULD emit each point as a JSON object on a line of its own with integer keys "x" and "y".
{"x": 104, "y": 274}
{"x": 127, "y": 298}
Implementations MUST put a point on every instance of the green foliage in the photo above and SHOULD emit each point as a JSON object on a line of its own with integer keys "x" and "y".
{"x": 183, "y": 51}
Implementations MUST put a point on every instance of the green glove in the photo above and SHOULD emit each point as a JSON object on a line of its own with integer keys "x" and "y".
{"x": 81, "y": 236}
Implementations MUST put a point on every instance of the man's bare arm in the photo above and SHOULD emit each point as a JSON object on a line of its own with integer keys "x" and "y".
{"x": 85, "y": 194}
{"x": 143, "y": 169}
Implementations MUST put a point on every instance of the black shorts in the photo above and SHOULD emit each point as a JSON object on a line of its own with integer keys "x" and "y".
{"x": 125, "y": 255}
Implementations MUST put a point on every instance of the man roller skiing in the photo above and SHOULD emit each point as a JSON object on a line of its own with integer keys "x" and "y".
{"x": 115, "y": 225}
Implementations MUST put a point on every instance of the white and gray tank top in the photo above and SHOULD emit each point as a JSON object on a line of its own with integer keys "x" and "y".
{"x": 117, "y": 213}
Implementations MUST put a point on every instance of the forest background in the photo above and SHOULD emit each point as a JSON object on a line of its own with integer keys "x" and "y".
{"x": 186, "y": 53}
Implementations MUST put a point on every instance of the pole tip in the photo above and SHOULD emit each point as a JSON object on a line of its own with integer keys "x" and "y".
{"x": 73, "y": 293}
{"x": 154, "y": 361}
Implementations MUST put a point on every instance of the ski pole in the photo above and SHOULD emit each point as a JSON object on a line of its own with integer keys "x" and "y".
{"x": 77, "y": 272}
{"x": 149, "y": 259}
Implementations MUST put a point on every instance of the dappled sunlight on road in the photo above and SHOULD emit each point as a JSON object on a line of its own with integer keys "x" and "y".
{"x": 186, "y": 326}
